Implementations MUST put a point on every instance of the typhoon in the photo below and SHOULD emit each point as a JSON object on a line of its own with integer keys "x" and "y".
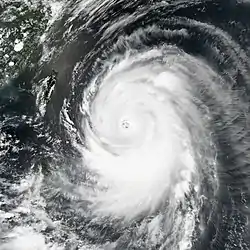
{"x": 135, "y": 134}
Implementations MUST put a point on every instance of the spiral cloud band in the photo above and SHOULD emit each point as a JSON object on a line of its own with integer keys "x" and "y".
{"x": 141, "y": 142}
{"x": 143, "y": 132}
{"x": 142, "y": 110}
{"x": 151, "y": 116}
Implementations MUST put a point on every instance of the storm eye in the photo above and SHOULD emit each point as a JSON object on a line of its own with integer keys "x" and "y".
{"x": 125, "y": 124}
